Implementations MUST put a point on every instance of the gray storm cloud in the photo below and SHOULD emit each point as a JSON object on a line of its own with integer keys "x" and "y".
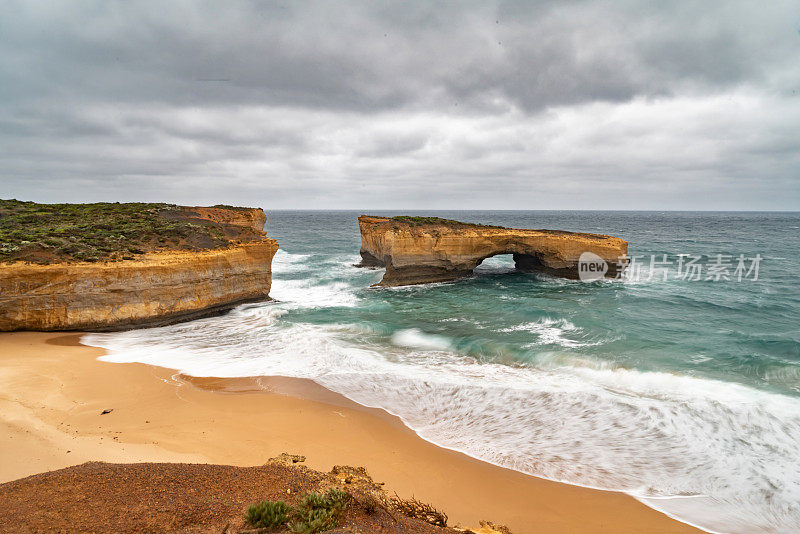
{"x": 595, "y": 104}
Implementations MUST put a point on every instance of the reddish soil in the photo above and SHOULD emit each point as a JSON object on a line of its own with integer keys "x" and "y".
{"x": 168, "y": 497}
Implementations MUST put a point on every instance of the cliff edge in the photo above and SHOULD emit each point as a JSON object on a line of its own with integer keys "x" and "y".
{"x": 417, "y": 250}
{"x": 116, "y": 266}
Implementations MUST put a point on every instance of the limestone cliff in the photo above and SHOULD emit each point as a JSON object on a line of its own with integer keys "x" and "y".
{"x": 418, "y": 250}
{"x": 157, "y": 287}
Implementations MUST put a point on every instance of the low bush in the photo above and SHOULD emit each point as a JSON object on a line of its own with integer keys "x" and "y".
{"x": 268, "y": 514}
{"x": 314, "y": 512}
{"x": 317, "y": 512}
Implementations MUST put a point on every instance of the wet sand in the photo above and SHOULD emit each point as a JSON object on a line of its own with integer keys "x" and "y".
{"x": 53, "y": 392}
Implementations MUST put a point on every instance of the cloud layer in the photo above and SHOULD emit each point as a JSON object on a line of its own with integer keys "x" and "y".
{"x": 573, "y": 105}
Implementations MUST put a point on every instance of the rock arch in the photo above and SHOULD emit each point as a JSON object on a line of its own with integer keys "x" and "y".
{"x": 417, "y": 250}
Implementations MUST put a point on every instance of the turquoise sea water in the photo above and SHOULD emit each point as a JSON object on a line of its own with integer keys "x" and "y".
{"x": 684, "y": 393}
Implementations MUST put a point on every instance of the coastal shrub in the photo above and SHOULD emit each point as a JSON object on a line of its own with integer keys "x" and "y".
{"x": 312, "y": 521}
{"x": 317, "y": 512}
{"x": 314, "y": 512}
{"x": 268, "y": 514}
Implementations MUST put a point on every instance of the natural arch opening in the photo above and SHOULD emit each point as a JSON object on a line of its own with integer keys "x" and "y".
{"x": 515, "y": 260}
{"x": 496, "y": 263}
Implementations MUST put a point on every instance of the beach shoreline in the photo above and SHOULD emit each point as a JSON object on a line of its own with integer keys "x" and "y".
{"x": 54, "y": 391}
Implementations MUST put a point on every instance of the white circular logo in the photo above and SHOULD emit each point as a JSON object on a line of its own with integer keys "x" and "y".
{"x": 591, "y": 267}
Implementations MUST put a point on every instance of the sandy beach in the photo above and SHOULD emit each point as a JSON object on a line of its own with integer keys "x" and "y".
{"x": 54, "y": 391}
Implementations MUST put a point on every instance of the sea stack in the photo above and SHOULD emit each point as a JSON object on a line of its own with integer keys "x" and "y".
{"x": 417, "y": 250}
{"x": 116, "y": 266}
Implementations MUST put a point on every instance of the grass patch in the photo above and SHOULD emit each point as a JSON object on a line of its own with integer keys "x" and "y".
{"x": 229, "y": 207}
{"x": 423, "y": 221}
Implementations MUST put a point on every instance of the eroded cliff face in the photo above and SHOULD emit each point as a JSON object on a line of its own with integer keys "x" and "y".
{"x": 421, "y": 252}
{"x": 157, "y": 288}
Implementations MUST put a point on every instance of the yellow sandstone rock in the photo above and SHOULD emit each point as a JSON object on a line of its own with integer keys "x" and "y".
{"x": 418, "y": 250}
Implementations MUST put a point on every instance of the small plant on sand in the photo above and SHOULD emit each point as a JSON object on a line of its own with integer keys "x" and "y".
{"x": 316, "y": 512}
{"x": 268, "y": 514}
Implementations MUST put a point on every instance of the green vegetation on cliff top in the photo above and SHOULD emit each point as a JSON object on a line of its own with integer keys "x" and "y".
{"x": 45, "y": 233}
{"x": 421, "y": 221}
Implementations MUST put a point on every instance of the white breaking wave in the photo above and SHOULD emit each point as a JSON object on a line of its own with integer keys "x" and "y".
{"x": 306, "y": 293}
{"x": 416, "y": 339}
{"x": 283, "y": 262}
{"x": 312, "y": 291}
{"x": 552, "y": 332}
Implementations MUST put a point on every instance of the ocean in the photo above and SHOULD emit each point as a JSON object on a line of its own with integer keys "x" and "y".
{"x": 677, "y": 385}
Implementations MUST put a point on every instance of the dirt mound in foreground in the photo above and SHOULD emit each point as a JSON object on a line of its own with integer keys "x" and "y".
{"x": 152, "y": 497}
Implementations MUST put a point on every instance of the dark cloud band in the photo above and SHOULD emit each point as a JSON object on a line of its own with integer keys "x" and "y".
{"x": 517, "y": 93}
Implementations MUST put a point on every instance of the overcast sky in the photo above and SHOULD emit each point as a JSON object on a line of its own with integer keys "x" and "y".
{"x": 494, "y": 105}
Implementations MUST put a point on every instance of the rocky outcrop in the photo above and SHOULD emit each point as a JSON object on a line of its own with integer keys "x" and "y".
{"x": 156, "y": 288}
{"x": 418, "y": 250}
